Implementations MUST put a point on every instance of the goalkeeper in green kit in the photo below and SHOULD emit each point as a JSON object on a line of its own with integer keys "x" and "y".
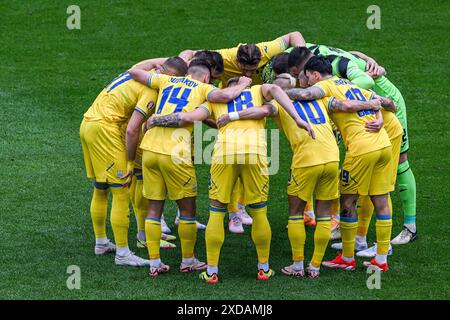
{"x": 366, "y": 73}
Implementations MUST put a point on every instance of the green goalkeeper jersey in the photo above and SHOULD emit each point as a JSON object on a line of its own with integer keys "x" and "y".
{"x": 347, "y": 65}
{"x": 351, "y": 67}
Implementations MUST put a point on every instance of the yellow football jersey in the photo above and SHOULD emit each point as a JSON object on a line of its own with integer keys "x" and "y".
{"x": 392, "y": 124}
{"x": 119, "y": 99}
{"x": 268, "y": 50}
{"x": 176, "y": 94}
{"x": 243, "y": 136}
{"x": 356, "y": 138}
{"x": 306, "y": 150}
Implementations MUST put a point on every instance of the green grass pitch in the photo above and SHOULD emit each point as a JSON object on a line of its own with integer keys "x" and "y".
{"x": 50, "y": 76}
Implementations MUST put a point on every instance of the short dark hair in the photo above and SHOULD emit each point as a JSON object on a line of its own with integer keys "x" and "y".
{"x": 176, "y": 64}
{"x": 298, "y": 56}
{"x": 320, "y": 64}
{"x": 213, "y": 58}
{"x": 232, "y": 80}
{"x": 218, "y": 61}
{"x": 248, "y": 54}
{"x": 280, "y": 63}
{"x": 199, "y": 65}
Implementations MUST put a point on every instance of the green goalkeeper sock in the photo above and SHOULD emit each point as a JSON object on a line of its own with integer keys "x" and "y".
{"x": 407, "y": 188}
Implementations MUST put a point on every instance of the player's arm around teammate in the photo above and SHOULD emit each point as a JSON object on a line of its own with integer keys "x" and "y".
{"x": 405, "y": 176}
{"x": 342, "y": 65}
{"x": 173, "y": 66}
{"x": 248, "y": 59}
{"x": 150, "y": 64}
{"x": 365, "y": 169}
{"x": 168, "y": 168}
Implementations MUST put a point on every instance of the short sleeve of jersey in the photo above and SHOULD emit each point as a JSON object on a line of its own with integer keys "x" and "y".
{"x": 229, "y": 56}
{"x": 270, "y": 49}
{"x": 207, "y": 90}
{"x": 327, "y": 101}
{"x": 156, "y": 80}
{"x": 146, "y": 101}
{"x": 208, "y": 107}
{"x": 325, "y": 87}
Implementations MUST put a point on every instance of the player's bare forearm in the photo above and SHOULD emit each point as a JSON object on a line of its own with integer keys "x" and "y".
{"x": 352, "y": 105}
{"x": 372, "y": 68}
{"x": 256, "y": 113}
{"x": 150, "y": 64}
{"x": 294, "y": 39}
{"x": 283, "y": 99}
{"x": 170, "y": 120}
{"x": 187, "y": 55}
{"x": 132, "y": 139}
{"x": 310, "y": 93}
{"x": 179, "y": 119}
{"x": 377, "y": 125}
{"x": 210, "y": 123}
{"x": 228, "y": 94}
{"x": 387, "y": 103}
{"x": 139, "y": 75}
{"x": 360, "y": 55}
{"x": 132, "y": 134}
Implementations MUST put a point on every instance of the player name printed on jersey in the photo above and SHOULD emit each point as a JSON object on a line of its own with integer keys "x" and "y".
{"x": 185, "y": 81}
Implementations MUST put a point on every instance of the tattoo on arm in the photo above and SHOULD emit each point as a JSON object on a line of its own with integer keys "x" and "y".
{"x": 171, "y": 120}
{"x": 387, "y": 103}
{"x": 273, "y": 110}
{"x": 305, "y": 94}
{"x": 294, "y": 94}
{"x": 336, "y": 105}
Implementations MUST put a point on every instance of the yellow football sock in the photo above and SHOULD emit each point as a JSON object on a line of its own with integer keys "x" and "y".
{"x": 348, "y": 227}
{"x": 153, "y": 236}
{"x": 261, "y": 233}
{"x": 140, "y": 203}
{"x": 214, "y": 235}
{"x": 297, "y": 236}
{"x": 99, "y": 209}
{"x": 120, "y": 212}
{"x": 322, "y": 236}
{"x": 187, "y": 230}
{"x": 365, "y": 211}
{"x": 383, "y": 230}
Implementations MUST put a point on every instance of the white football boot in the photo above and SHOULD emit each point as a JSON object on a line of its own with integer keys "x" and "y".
{"x": 164, "y": 227}
{"x": 371, "y": 252}
{"x": 359, "y": 246}
{"x": 404, "y": 237}
{"x": 102, "y": 249}
{"x": 245, "y": 217}
{"x": 235, "y": 224}
{"x": 131, "y": 259}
